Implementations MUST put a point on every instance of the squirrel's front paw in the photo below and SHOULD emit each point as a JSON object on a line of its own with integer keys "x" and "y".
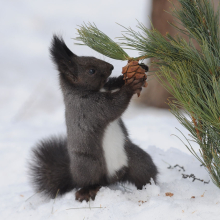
{"x": 135, "y": 85}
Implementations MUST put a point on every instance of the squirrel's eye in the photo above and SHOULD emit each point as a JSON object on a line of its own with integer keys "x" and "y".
{"x": 91, "y": 71}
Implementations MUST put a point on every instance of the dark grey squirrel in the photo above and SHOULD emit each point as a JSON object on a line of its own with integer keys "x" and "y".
{"x": 97, "y": 150}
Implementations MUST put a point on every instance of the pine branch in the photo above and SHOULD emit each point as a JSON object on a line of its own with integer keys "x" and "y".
{"x": 199, "y": 20}
{"x": 91, "y": 36}
{"x": 193, "y": 75}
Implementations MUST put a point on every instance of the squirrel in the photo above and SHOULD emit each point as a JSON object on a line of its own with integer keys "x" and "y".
{"x": 97, "y": 150}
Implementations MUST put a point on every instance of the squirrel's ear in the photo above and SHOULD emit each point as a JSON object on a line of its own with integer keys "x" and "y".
{"x": 62, "y": 55}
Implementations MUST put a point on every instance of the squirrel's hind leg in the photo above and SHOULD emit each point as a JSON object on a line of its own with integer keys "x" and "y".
{"x": 141, "y": 166}
{"x": 86, "y": 193}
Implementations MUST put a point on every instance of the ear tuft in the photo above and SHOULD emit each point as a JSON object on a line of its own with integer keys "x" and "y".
{"x": 62, "y": 57}
{"x": 59, "y": 51}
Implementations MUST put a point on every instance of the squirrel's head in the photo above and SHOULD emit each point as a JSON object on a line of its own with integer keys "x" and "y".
{"x": 83, "y": 72}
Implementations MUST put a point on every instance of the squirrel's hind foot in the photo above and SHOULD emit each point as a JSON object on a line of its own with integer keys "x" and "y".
{"x": 86, "y": 193}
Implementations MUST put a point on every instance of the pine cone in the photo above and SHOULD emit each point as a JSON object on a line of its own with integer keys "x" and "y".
{"x": 135, "y": 70}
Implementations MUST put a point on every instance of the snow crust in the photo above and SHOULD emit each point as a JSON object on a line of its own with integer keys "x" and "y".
{"x": 18, "y": 201}
{"x": 32, "y": 109}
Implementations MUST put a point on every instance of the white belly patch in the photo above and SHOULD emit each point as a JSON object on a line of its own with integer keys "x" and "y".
{"x": 113, "y": 147}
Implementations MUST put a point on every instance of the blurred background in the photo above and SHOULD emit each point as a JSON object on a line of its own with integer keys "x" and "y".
{"x": 30, "y": 97}
{"x": 28, "y": 83}
{"x": 31, "y": 101}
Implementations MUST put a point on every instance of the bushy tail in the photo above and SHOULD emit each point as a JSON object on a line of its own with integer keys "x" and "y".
{"x": 50, "y": 167}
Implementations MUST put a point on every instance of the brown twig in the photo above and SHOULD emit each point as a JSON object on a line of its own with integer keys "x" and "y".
{"x": 197, "y": 131}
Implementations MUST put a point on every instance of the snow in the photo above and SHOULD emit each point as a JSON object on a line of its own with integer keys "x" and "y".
{"x": 32, "y": 108}
{"x": 151, "y": 129}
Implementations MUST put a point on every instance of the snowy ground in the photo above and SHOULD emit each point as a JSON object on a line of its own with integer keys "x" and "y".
{"x": 151, "y": 129}
{"x": 32, "y": 108}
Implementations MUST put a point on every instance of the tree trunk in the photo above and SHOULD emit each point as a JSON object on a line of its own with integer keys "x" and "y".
{"x": 155, "y": 95}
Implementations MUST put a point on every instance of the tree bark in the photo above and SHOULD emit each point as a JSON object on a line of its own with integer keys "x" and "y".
{"x": 155, "y": 94}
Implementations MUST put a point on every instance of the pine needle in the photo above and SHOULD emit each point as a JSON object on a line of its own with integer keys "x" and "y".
{"x": 190, "y": 74}
{"x": 54, "y": 200}
{"x": 32, "y": 196}
{"x": 91, "y": 36}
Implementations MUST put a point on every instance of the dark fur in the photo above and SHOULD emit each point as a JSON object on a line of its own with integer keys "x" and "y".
{"x": 78, "y": 161}
{"x": 50, "y": 168}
